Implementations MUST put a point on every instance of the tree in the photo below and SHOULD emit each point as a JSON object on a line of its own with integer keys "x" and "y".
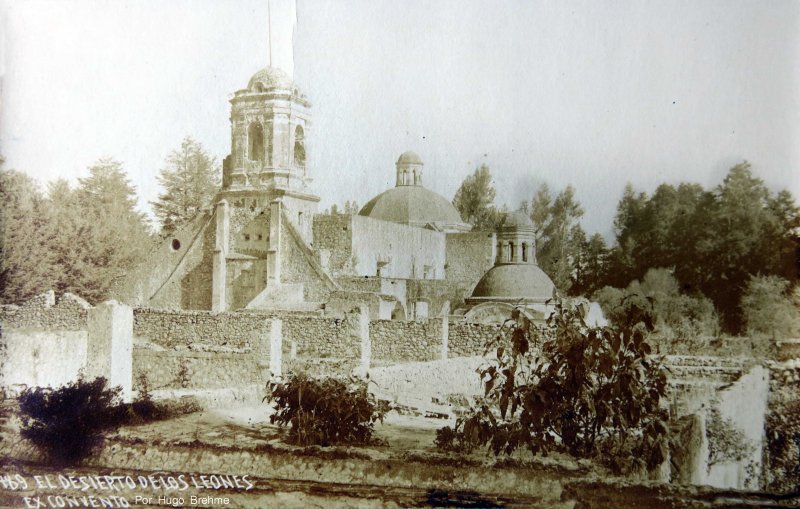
{"x": 768, "y": 310}
{"x": 26, "y": 234}
{"x": 747, "y": 237}
{"x": 559, "y": 247}
{"x": 590, "y": 392}
{"x": 190, "y": 180}
{"x": 112, "y": 236}
{"x": 474, "y": 200}
{"x": 712, "y": 240}
{"x": 540, "y": 210}
{"x": 590, "y": 264}
{"x": 676, "y": 315}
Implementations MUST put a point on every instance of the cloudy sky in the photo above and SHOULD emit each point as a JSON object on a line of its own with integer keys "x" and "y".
{"x": 593, "y": 94}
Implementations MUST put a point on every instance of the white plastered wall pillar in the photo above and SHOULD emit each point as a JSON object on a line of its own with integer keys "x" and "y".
{"x": 109, "y": 351}
{"x": 219, "y": 276}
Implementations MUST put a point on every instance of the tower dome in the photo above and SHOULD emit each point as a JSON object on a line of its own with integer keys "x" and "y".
{"x": 270, "y": 78}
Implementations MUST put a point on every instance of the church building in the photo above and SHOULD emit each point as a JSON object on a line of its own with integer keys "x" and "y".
{"x": 407, "y": 254}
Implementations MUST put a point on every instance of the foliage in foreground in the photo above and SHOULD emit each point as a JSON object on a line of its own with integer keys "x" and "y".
{"x": 589, "y": 392}
{"x": 69, "y": 423}
{"x": 325, "y": 411}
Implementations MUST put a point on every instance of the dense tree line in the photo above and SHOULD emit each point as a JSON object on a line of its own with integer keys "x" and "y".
{"x": 714, "y": 241}
{"x": 80, "y": 240}
{"x": 85, "y": 239}
{"x": 720, "y": 245}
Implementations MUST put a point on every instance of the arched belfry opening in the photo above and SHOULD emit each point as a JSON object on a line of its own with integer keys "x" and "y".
{"x": 255, "y": 138}
{"x": 299, "y": 147}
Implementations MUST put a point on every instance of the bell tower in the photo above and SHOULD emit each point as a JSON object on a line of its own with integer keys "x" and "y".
{"x": 269, "y": 123}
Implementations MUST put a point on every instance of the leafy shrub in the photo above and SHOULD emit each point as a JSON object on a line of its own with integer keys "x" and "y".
{"x": 69, "y": 423}
{"x": 675, "y": 314}
{"x": 725, "y": 441}
{"x": 590, "y": 392}
{"x": 325, "y": 411}
{"x": 767, "y": 308}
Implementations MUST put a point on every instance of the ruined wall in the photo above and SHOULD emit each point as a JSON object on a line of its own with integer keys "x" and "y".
{"x": 469, "y": 339}
{"x": 43, "y": 312}
{"x": 360, "y": 284}
{"x": 195, "y": 370}
{"x": 320, "y": 337}
{"x": 333, "y": 240}
{"x": 296, "y": 267}
{"x": 436, "y": 293}
{"x": 200, "y": 329}
{"x": 400, "y": 341}
{"x": 727, "y": 346}
{"x": 177, "y": 273}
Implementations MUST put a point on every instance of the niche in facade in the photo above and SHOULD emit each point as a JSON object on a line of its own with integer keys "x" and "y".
{"x": 299, "y": 147}
{"x": 255, "y": 137}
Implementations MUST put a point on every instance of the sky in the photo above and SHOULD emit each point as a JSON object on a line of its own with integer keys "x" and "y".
{"x": 594, "y": 94}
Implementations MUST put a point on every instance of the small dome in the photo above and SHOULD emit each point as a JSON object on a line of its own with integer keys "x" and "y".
{"x": 415, "y": 206}
{"x": 523, "y": 282}
{"x": 409, "y": 157}
{"x": 516, "y": 219}
{"x": 270, "y": 78}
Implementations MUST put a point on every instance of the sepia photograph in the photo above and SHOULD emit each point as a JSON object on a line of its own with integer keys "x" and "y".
{"x": 373, "y": 254}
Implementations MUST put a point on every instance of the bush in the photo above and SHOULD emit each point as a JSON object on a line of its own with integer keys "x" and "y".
{"x": 768, "y": 309}
{"x": 590, "y": 392}
{"x": 675, "y": 314}
{"x": 69, "y": 423}
{"x": 325, "y": 411}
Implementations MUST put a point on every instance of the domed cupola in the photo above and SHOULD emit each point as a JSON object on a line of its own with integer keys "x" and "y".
{"x": 411, "y": 204}
{"x": 409, "y": 169}
{"x": 270, "y": 78}
{"x": 515, "y": 279}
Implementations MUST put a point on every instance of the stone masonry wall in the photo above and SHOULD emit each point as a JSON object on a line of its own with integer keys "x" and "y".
{"x": 194, "y": 370}
{"x": 296, "y": 268}
{"x": 204, "y": 330}
{"x": 783, "y": 427}
{"x": 43, "y": 312}
{"x": 318, "y": 337}
{"x": 333, "y": 234}
{"x": 468, "y": 339}
{"x": 400, "y": 341}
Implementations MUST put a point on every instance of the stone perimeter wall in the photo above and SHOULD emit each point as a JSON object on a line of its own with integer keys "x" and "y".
{"x": 194, "y": 370}
{"x": 304, "y": 336}
{"x": 200, "y": 329}
{"x": 43, "y": 312}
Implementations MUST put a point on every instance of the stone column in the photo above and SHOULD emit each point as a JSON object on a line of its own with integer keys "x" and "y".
{"x": 220, "y": 274}
{"x": 110, "y": 345}
{"x": 274, "y": 249}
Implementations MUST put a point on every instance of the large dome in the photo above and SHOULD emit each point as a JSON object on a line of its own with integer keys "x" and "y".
{"x": 270, "y": 78}
{"x": 514, "y": 282}
{"x": 415, "y": 206}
